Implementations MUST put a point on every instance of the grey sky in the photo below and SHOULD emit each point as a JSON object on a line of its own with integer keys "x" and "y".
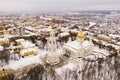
{"x": 52, "y": 5}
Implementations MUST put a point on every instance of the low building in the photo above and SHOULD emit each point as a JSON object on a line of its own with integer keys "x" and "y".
{"x": 25, "y": 47}
{"x": 29, "y": 51}
{"x": 4, "y": 41}
{"x": 104, "y": 38}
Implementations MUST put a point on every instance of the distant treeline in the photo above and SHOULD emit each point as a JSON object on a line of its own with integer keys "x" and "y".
{"x": 99, "y": 11}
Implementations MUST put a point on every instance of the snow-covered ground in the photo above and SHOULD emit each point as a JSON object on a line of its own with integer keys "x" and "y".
{"x": 16, "y": 64}
{"x": 73, "y": 64}
{"x": 70, "y": 66}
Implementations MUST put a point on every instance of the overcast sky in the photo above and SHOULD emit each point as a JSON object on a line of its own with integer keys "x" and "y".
{"x": 60, "y": 5}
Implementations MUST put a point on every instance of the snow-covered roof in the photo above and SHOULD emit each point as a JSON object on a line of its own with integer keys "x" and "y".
{"x": 114, "y": 35}
{"x": 30, "y": 28}
{"x": 27, "y": 44}
{"x": 1, "y": 48}
{"x": 16, "y": 64}
{"x": 19, "y": 40}
{"x": 2, "y": 39}
{"x": 91, "y": 24}
{"x": 118, "y": 43}
{"x": 23, "y": 62}
{"x": 77, "y": 45}
{"x": 68, "y": 66}
{"x": 63, "y": 34}
{"x": 27, "y": 50}
{"x": 45, "y": 29}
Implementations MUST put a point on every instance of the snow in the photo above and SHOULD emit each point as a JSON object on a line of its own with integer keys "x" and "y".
{"x": 16, "y": 64}
{"x": 10, "y": 36}
{"x": 114, "y": 35}
{"x": 74, "y": 44}
{"x": 77, "y": 45}
{"x": 3, "y": 39}
{"x": 19, "y": 40}
{"x": 30, "y": 28}
{"x": 48, "y": 29}
{"x": 118, "y": 43}
{"x": 115, "y": 46}
{"x": 91, "y": 24}
{"x": 63, "y": 34}
{"x": 27, "y": 50}
{"x": 41, "y": 53}
{"x": 23, "y": 62}
{"x": 46, "y": 18}
{"x": 86, "y": 43}
{"x": 90, "y": 57}
{"x": 98, "y": 50}
{"x": 70, "y": 66}
{"x": 73, "y": 63}
{"x": 74, "y": 31}
{"x": 30, "y": 33}
{"x": 27, "y": 44}
{"x": 1, "y": 48}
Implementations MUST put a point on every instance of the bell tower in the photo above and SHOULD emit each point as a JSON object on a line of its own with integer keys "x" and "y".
{"x": 53, "y": 54}
{"x": 52, "y": 46}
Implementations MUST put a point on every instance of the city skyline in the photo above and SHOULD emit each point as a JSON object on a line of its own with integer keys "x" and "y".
{"x": 58, "y": 5}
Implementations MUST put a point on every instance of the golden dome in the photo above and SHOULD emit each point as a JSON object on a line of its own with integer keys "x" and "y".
{"x": 52, "y": 30}
{"x": 81, "y": 35}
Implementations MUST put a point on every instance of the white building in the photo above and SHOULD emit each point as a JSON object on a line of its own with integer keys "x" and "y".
{"x": 79, "y": 47}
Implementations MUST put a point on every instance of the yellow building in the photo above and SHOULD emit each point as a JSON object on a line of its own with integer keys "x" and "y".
{"x": 4, "y": 41}
{"x": 19, "y": 41}
{"x": 29, "y": 51}
{"x": 27, "y": 48}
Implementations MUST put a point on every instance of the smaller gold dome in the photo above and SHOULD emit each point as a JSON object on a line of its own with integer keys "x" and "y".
{"x": 52, "y": 30}
{"x": 81, "y": 35}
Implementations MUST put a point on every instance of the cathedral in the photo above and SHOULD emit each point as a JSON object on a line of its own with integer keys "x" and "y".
{"x": 79, "y": 47}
